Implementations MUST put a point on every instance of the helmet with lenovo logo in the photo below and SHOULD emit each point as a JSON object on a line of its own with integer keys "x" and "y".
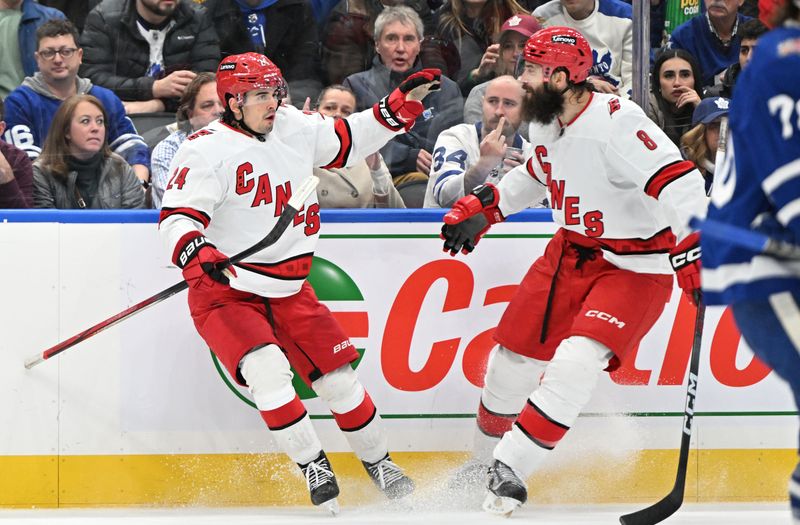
{"x": 238, "y": 74}
{"x": 560, "y": 47}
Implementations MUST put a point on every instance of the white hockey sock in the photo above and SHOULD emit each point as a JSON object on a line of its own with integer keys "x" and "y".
{"x": 354, "y": 412}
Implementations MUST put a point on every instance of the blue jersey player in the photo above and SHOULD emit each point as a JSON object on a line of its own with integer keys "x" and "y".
{"x": 759, "y": 188}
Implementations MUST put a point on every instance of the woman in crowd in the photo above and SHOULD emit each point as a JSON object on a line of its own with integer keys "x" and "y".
{"x": 473, "y": 26}
{"x": 673, "y": 95}
{"x": 77, "y": 169}
{"x": 198, "y": 107}
{"x": 368, "y": 184}
{"x": 699, "y": 144}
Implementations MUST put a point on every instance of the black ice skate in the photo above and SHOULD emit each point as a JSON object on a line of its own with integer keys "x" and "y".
{"x": 321, "y": 483}
{"x": 506, "y": 491}
{"x": 389, "y": 478}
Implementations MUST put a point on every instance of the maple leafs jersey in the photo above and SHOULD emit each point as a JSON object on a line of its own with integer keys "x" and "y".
{"x": 758, "y": 185}
{"x": 232, "y": 188}
{"x": 457, "y": 149}
{"x": 613, "y": 176}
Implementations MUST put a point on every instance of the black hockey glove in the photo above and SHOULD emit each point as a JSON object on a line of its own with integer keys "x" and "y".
{"x": 470, "y": 218}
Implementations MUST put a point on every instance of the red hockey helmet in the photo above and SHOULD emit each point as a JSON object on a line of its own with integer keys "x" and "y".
{"x": 558, "y": 46}
{"x": 238, "y": 74}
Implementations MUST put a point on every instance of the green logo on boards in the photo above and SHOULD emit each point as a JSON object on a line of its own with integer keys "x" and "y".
{"x": 331, "y": 284}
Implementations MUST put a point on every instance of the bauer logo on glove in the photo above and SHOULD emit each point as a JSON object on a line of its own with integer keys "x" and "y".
{"x": 401, "y": 107}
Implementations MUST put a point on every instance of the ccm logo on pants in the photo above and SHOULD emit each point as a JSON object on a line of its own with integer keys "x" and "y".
{"x": 606, "y": 317}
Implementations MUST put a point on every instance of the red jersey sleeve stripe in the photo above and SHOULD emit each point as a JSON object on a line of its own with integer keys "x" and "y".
{"x": 667, "y": 174}
{"x": 529, "y": 166}
{"x": 343, "y": 133}
{"x": 198, "y": 216}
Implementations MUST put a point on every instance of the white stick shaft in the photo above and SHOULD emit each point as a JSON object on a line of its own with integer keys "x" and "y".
{"x": 301, "y": 194}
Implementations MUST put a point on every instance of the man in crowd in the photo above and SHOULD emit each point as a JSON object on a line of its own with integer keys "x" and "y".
{"x": 398, "y": 31}
{"x": 19, "y": 20}
{"x": 30, "y": 108}
{"x": 147, "y": 51}
{"x": 713, "y": 39}
{"x": 468, "y": 155}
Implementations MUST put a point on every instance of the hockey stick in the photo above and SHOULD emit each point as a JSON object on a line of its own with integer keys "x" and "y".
{"x": 749, "y": 239}
{"x": 668, "y": 505}
{"x": 295, "y": 203}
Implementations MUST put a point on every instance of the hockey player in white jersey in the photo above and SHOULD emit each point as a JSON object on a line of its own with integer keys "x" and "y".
{"x": 758, "y": 188}
{"x": 622, "y": 196}
{"x": 467, "y": 155}
{"x": 229, "y": 183}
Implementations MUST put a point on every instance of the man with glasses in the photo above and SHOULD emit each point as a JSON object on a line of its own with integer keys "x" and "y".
{"x": 19, "y": 20}
{"x": 30, "y": 107}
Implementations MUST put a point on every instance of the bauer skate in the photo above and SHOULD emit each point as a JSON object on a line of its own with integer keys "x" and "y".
{"x": 505, "y": 492}
{"x": 389, "y": 478}
{"x": 321, "y": 483}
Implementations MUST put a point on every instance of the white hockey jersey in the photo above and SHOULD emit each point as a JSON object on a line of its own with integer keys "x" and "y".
{"x": 457, "y": 149}
{"x": 612, "y": 175}
{"x": 232, "y": 188}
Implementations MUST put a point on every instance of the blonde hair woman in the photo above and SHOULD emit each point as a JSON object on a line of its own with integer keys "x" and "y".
{"x": 699, "y": 144}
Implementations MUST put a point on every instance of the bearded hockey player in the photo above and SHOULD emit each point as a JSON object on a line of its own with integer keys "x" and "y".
{"x": 622, "y": 196}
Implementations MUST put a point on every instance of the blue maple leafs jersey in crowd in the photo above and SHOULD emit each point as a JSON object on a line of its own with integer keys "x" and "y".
{"x": 758, "y": 186}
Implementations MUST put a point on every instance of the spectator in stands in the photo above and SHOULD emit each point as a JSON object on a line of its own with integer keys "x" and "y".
{"x": 515, "y": 32}
{"x": 77, "y": 169}
{"x": 200, "y": 105}
{"x": 30, "y": 107}
{"x": 367, "y": 184}
{"x": 468, "y": 155}
{"x": 147, "y": 51}
{"x": 398, "y": 31}
{"x": 16, "y": 174}
{"x": 74, "y": 10}
{"x": 608, "y": 27}
{"x": 674, "y": 92}
{"x": 713, "y": 39}
{"x": 348, "y": 46}
{"x": 749, "y": 31}
{"x": 19, "y": 20}
{"x": 473, "y": 26}
{"x": 699, "y": 144}
{"x": 283, "y": 30}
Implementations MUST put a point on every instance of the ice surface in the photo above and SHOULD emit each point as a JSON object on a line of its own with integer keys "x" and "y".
{"x": 690, "y": 514}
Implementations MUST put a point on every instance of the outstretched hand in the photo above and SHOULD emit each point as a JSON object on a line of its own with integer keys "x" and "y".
{"x": 418, "y": 85}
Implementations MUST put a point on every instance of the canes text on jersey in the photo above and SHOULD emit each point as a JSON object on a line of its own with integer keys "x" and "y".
{"x": 265, "y": 193}
{"x": 592, "y": 220}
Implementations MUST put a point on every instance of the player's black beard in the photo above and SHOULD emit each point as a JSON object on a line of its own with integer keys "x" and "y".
{"x": 542, "y": 105}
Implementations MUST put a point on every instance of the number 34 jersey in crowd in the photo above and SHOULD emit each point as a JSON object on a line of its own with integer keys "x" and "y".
{"x": 232, "y": 188}
{"x": 613, "y": 176}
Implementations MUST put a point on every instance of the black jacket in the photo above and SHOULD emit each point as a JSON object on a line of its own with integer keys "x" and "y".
{"x": 116, "y": 56}
{"x": 291, "y": 36}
